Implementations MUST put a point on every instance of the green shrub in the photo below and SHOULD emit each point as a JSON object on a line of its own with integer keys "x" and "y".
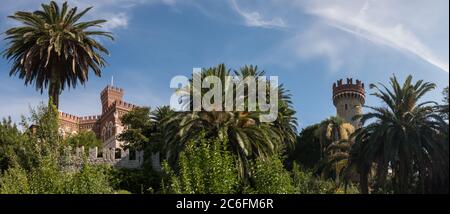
{"x": 136, "y": 181}
{"x": 270, "y": 177}
{"x": 306, "y": 182}
{"x": 14, "y": 181}
{"x": 204, "y": 167}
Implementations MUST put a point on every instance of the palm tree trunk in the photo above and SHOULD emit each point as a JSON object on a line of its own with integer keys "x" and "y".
{"x": 363, "y": 182}
{"x": 53, "y": 92}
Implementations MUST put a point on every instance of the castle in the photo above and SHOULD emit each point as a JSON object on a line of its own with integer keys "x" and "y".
{"x": 348, "y": 99}
{"x": 106, "y": 126}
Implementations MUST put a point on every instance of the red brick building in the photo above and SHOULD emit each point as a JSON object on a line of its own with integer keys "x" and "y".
{"x": 106, "y": 126}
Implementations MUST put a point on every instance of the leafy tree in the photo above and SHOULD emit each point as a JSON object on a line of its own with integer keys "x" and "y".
{"x": 88, "y": 139}
{"x": 205, "y": 166}
{"x": 405, "y": 144}
{"x": 53, "y": 49}
{"x": 307, "y": 150}
{"x": 10, "y": 140}
{"x": 147, "y": 130}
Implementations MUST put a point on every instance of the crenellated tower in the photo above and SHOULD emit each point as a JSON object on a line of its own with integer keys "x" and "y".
{"x": 348, "y": 99}
{"x": 109, "y": 95}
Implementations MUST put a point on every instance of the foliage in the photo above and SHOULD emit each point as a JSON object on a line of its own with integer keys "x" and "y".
{"x": 205, "y": 166}
{"x": 90, "y": 180}
{"x": 307, "y": 149}
{"x": 48, "y": 178}
{"x": 10, "y": 139}
{"x": 270, "y": 177}
{"x": 53, "y": 49}
{"x": 36, "y": 164}
{"x": 88, "y": 139}
{"x": 249, "y": 138}
{"x": 405, "y": 146}
{"x": 146, "y": 130}
{"x": 135, "y": 181}
{"x": 335, "y": 142}
{"x": 14, "y": 181}
{"x": 305, "y": 182}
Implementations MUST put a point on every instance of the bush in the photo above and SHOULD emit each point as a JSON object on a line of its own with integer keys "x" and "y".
{"x": 14, "y": 181}
{"x": 136, "y": 181}
{"x": 90, "y": 180}
{"x": 270, "y": 177}
{"x": 204, "y": 167}
{"x": 48, "y": 178}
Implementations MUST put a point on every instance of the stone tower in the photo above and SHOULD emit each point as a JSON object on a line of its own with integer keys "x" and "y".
{"x": 109, "y": 95}
{"x": 348, "y": 99}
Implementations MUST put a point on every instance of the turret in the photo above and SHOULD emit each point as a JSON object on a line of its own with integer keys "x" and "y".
{"x": 348, "y": 99}
{"x": 109, "y": 95}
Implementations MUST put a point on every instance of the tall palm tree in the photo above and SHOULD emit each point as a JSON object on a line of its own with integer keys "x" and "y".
{"x": 335, "y": 142}
{"x": 53, "y": 49}
{"x": 403, "y": 143}
{"x": 247, "y": 135}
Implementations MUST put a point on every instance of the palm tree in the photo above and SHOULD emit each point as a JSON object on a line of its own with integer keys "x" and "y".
{"x": 335, "y": 142}
{"x": 404, "y": 145}
{"x": 54, "y": 49}
{"x": 248, "y": 136}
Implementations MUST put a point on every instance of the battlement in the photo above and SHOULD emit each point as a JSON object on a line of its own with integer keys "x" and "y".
{"x": 125, "y": 104}
{"x": 66, "y": 116}
{"x": 121, "y": 104}
{"x": 340, "y": 87}
{"x": 111, "y": 88}
{"x": 91, "y": 118}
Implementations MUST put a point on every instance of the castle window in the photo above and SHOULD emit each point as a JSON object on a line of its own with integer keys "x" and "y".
{"x": 346, "y": 107}
{"x": 110, "y": 129}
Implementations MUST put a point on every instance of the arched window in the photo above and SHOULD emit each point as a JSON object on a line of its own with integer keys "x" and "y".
{"x": 110, "y": 129}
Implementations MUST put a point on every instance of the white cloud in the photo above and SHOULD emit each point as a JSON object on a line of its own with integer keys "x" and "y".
{"x": 119, "y": 20}
{"x": 255, "y": 19}
{"x": 312, "y": 45}
{"x": 377, "y": 26}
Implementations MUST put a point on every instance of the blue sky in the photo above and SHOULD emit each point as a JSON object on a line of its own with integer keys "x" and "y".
{"x": 308, "y": 44}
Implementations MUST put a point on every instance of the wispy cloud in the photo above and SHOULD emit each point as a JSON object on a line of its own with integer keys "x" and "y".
{"x": 255, "y": 19}
{"x": 361, "y": 22}
{"x": 119, "y": 20}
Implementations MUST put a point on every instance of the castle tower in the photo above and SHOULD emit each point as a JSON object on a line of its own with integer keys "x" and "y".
{"x": 109, "y": 95}
{"x": 348, "y": 99}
